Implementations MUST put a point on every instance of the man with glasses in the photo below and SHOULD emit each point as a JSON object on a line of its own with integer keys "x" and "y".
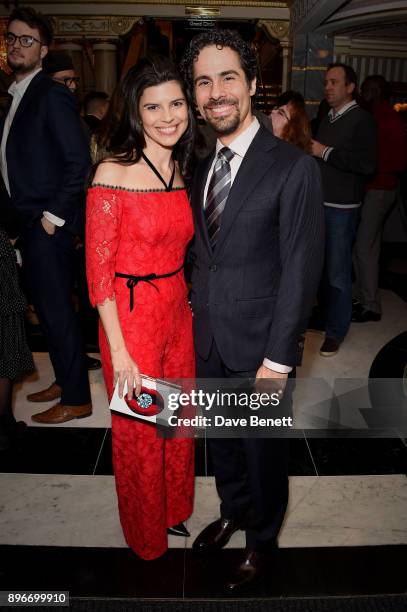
{"x": 44, "y": 160}
{"x": 58, "y": 65}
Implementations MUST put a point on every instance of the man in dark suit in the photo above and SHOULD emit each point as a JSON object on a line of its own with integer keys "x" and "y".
{"x": 44, "y": 162}
{"x": 258, "y": 251}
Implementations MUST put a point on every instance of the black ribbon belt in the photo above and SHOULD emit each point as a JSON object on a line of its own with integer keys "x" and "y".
{"x": 148, "y": 278}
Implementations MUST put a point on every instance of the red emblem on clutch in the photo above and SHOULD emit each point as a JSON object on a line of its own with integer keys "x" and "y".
{"x": 148, "y": 403}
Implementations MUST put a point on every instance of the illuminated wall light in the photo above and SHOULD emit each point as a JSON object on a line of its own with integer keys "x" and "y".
{"x": 3, "y": 47}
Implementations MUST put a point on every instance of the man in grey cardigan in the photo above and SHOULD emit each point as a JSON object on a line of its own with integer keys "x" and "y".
{"x": 346, "y": 150}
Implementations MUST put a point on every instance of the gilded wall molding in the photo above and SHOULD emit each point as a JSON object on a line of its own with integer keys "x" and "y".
{"x": 276, "y": 28}
{"x": 93, "y": 26}
{"x": 346, "y": 45}
{"x": 308, "y": 68}
{"x": 248, "y": 3}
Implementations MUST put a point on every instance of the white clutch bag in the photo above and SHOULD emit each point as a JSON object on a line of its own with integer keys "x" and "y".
{"x": 155, "y": 404}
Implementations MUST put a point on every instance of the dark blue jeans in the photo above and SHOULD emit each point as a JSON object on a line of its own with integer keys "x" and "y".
{"x": 335, "y": 296}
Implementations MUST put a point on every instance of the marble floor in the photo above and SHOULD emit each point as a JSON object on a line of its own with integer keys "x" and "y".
{"x": 345, "y": 531}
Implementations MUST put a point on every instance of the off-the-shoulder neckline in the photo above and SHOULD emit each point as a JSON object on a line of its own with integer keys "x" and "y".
{"x": 119, "y": 188}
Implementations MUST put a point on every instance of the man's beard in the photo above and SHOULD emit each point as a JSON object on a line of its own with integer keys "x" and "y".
{"x": 19, "y": 66}
{"x": 223, "y": 125}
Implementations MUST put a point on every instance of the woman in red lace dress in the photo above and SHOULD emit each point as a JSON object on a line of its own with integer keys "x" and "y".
{"x": 139, "y": 222}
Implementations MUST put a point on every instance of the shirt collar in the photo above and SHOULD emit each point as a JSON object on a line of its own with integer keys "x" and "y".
{"x": 19, "y": 89}
{"x": 337, "y": 113}
{"x": 242, "y": 142}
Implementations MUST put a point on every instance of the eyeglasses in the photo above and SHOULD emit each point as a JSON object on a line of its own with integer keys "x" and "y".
{"x": 67, "y": 80}
{"x": 24, "y": 40}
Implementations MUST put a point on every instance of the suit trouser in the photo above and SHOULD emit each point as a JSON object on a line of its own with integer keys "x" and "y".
{"x": 48, "y": 269}
{"x": 366, "y": 252}
{"x": 251, "y": 473}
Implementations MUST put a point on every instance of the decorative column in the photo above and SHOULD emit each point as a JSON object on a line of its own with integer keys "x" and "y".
{"x": 280, "y": 30}
{"x": 105, "y": 54}
{"x": 75, "y": 51}
{"x": 286, "y": 77}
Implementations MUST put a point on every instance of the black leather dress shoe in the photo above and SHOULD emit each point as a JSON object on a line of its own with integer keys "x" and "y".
{"x": 216, "y": 535}
{"x": 363, "y": 316}
{"x": 249, "y": 571}
{"x": 179, "y": 530}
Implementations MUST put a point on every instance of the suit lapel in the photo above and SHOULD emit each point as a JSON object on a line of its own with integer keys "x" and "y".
{"x": 29, "y": 94}
{"x": 252, "y": 169}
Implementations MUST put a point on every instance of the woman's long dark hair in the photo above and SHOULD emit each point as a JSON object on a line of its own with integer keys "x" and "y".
{"x": 122, "y": 134}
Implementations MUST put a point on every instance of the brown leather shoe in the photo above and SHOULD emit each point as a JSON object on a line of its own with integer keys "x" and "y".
{"x": 61, "y": 413}
{"x": 46, "y": 395}
{"x": 216, "y": 535}
{"x": 250, "y": 570}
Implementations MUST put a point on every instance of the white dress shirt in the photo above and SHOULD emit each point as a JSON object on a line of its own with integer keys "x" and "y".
{"x": 17, "y": 90}
{"x": 239, "y": 146}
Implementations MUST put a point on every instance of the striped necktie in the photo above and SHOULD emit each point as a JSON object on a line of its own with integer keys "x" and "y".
{"x": 218, "y": 191}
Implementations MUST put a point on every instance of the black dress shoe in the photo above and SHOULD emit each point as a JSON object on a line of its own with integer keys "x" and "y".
{"x": 249, "y": 571}
{"x": 357, "y": 308}
{"x": 216, "y": 535}
{"x": 363, "y": 316}
{"x": 92, "y": 363}
{"x": 179, "y": 530}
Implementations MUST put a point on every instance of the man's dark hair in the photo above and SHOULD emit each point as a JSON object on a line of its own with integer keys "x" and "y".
{"x": 219, "y": 39}
{"x": 41, "y": 22}
{"x": 92, "y": 97}
{"x": 350, "y": 74}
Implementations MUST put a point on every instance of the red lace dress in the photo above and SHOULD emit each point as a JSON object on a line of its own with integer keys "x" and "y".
{"x": 140, "y": 232}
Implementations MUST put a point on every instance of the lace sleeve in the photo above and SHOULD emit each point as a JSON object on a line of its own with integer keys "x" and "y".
{"x": 103, "y": 219}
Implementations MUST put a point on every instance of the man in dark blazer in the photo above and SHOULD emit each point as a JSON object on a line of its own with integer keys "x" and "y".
{"x": 257, "y": 260}
{"x": 44, "y": 162}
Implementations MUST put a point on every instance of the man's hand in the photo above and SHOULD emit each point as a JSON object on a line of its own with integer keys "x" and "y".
{"x": 317, "y": 148}
{"x": 48, "y": 226}
{"x": 279, "y": 379}
{"x": 265, "y": 372}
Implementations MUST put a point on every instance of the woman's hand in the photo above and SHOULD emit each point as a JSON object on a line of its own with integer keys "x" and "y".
{"x": 125, "y": 369}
